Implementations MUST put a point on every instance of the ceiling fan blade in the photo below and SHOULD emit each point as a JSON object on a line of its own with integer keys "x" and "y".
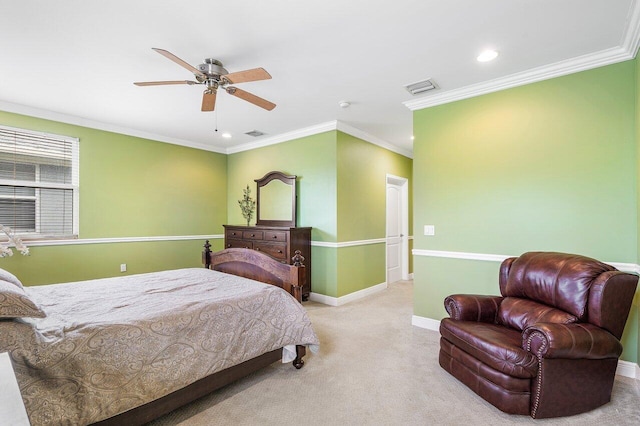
{"x": 208, "y": 100}
{"x": 162, "y": 83}
{"x": 250, "y": 97}
{"x": 254, "y": 74}
{"x": 179, "y": 61}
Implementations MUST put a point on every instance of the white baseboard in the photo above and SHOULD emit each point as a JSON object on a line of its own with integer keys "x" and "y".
{"x": 628, "y": 369}
{"x": 423, "y": 322}
{"x": 339, "y": 301}
{"x": 625, "y": 368}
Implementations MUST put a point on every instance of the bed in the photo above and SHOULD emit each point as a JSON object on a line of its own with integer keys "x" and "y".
{"x": 137, "y": 347}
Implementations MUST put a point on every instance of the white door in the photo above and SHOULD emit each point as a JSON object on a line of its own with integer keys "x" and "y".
{"x": 394, "y": 232}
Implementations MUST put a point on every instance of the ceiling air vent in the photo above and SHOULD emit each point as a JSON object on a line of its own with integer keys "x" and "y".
{"x": 421, "y": 87}
{"x": 255, "y": 133}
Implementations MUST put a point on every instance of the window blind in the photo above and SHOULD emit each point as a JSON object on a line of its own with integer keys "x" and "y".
{"x": 39, "y": 183}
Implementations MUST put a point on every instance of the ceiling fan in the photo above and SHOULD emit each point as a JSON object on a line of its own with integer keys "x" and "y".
{"x": 213, "y": 75}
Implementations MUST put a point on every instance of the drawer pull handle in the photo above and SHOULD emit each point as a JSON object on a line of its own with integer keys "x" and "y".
{"x": 280, "y": 251}
{"x": 275, "y": 237}
{"x": 228, "y": 245}
{"x": 253, "y": 235}
{"x": 258, "y": 248}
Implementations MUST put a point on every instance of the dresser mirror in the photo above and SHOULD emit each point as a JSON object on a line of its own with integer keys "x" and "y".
{"x": 276, "y": 200}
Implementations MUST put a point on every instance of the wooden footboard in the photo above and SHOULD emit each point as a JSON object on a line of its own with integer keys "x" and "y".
{"x": 258, "y": 266}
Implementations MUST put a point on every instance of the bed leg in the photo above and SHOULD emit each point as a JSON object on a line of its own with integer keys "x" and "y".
{"x": 300, "y": 352}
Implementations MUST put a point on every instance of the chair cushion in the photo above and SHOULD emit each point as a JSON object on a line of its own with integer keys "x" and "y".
{"x": 555, "y": 279}
{"x": 521, "y": 313}
{"x": 495, "y": 345}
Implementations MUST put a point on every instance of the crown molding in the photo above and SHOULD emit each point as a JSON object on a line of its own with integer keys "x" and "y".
{"x": 317, "y": 129}
{"x": 627, "y": 50}
{"x": 92, "y": 124}
{"x": 284, "y": 137}
{"x": 345, "y": 128}
{"x": 558, "y": 69}
{"x": 631, "y": 37}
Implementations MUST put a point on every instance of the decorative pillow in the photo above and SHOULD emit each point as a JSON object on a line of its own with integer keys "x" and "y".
{"x": 14, "y": 303}
{"x": 9, "y": 277}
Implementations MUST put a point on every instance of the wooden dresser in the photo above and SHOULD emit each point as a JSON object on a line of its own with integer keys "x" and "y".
{"x": 280, "y": 243}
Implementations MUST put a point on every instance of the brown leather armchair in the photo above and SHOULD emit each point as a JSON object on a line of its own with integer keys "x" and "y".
{"x": 549, "y": 345}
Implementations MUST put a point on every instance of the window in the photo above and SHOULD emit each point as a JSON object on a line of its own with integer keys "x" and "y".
{"x": 39, "y": 184}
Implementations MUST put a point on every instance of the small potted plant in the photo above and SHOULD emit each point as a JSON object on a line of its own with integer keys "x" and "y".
{"x": 247, "y": 204}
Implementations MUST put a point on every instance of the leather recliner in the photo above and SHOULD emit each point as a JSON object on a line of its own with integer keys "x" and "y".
{"x": 549, "y": 345}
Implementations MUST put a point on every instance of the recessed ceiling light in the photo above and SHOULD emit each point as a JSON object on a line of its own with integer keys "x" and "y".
{"x": 344, "y": 104}
{"x": 487, "y": 55}
{"x": 226, "y": 135}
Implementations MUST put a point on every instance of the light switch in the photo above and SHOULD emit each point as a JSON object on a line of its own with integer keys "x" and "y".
{"x": 429, "y": 230}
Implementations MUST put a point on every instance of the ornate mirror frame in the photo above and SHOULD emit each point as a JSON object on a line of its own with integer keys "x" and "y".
{"x": 264, "y": 181}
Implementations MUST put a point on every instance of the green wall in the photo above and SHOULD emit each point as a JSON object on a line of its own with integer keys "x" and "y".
{"x": 130, "y": 187}
{"x": 341, "y": 194}
{"x": 311, "y": 159}
{"x": 362, "y": 169}
{"x": 633, "y": 324}
{"x": 133, "y": 187}
{"x": 546, "y": 166}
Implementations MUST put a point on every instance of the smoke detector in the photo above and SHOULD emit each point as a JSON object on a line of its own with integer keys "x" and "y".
{"x": 255, "y": 133}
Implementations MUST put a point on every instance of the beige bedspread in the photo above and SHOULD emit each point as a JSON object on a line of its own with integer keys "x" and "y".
{"x": 113, "y": 344}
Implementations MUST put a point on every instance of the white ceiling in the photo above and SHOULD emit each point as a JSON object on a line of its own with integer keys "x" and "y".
{"x": 75, "y": 61}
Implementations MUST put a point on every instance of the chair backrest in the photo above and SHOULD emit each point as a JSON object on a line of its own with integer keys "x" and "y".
{"x": 589, "y": 290}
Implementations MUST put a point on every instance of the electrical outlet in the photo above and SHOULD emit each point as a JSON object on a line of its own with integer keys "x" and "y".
{"x": 429, "y": 230}
{"x": 123, "y": 267}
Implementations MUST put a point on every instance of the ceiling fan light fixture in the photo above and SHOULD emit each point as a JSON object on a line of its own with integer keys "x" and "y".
{"x": 421, "y": 86}
{"x": 226, "y": 135}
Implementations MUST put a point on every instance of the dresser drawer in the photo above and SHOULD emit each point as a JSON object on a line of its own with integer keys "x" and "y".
{"x": 231, "y": 243}
{"x": 275, "y": 236}
{"x": 232, "y": 233}
{"x": 252, "y": 235}
{"x": 276, "y": 250}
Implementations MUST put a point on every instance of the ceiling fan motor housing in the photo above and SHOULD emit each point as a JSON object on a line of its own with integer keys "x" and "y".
{"x": 212, "y": 67}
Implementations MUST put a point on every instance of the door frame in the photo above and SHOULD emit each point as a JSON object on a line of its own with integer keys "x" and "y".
{"x": 403, "y": 183}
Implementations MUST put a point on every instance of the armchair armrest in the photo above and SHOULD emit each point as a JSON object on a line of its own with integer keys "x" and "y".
{"x": 472, "y": 307}
{"x": 573, "y": 341}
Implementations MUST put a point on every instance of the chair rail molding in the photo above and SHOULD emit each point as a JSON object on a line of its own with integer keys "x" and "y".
{"x": 626, "y": 267}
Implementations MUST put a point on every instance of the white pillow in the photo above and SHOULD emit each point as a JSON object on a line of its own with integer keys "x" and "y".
{"x": 9, "y": 277}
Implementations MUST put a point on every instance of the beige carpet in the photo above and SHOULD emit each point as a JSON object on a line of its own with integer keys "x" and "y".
{"x": 373, "y": 368}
